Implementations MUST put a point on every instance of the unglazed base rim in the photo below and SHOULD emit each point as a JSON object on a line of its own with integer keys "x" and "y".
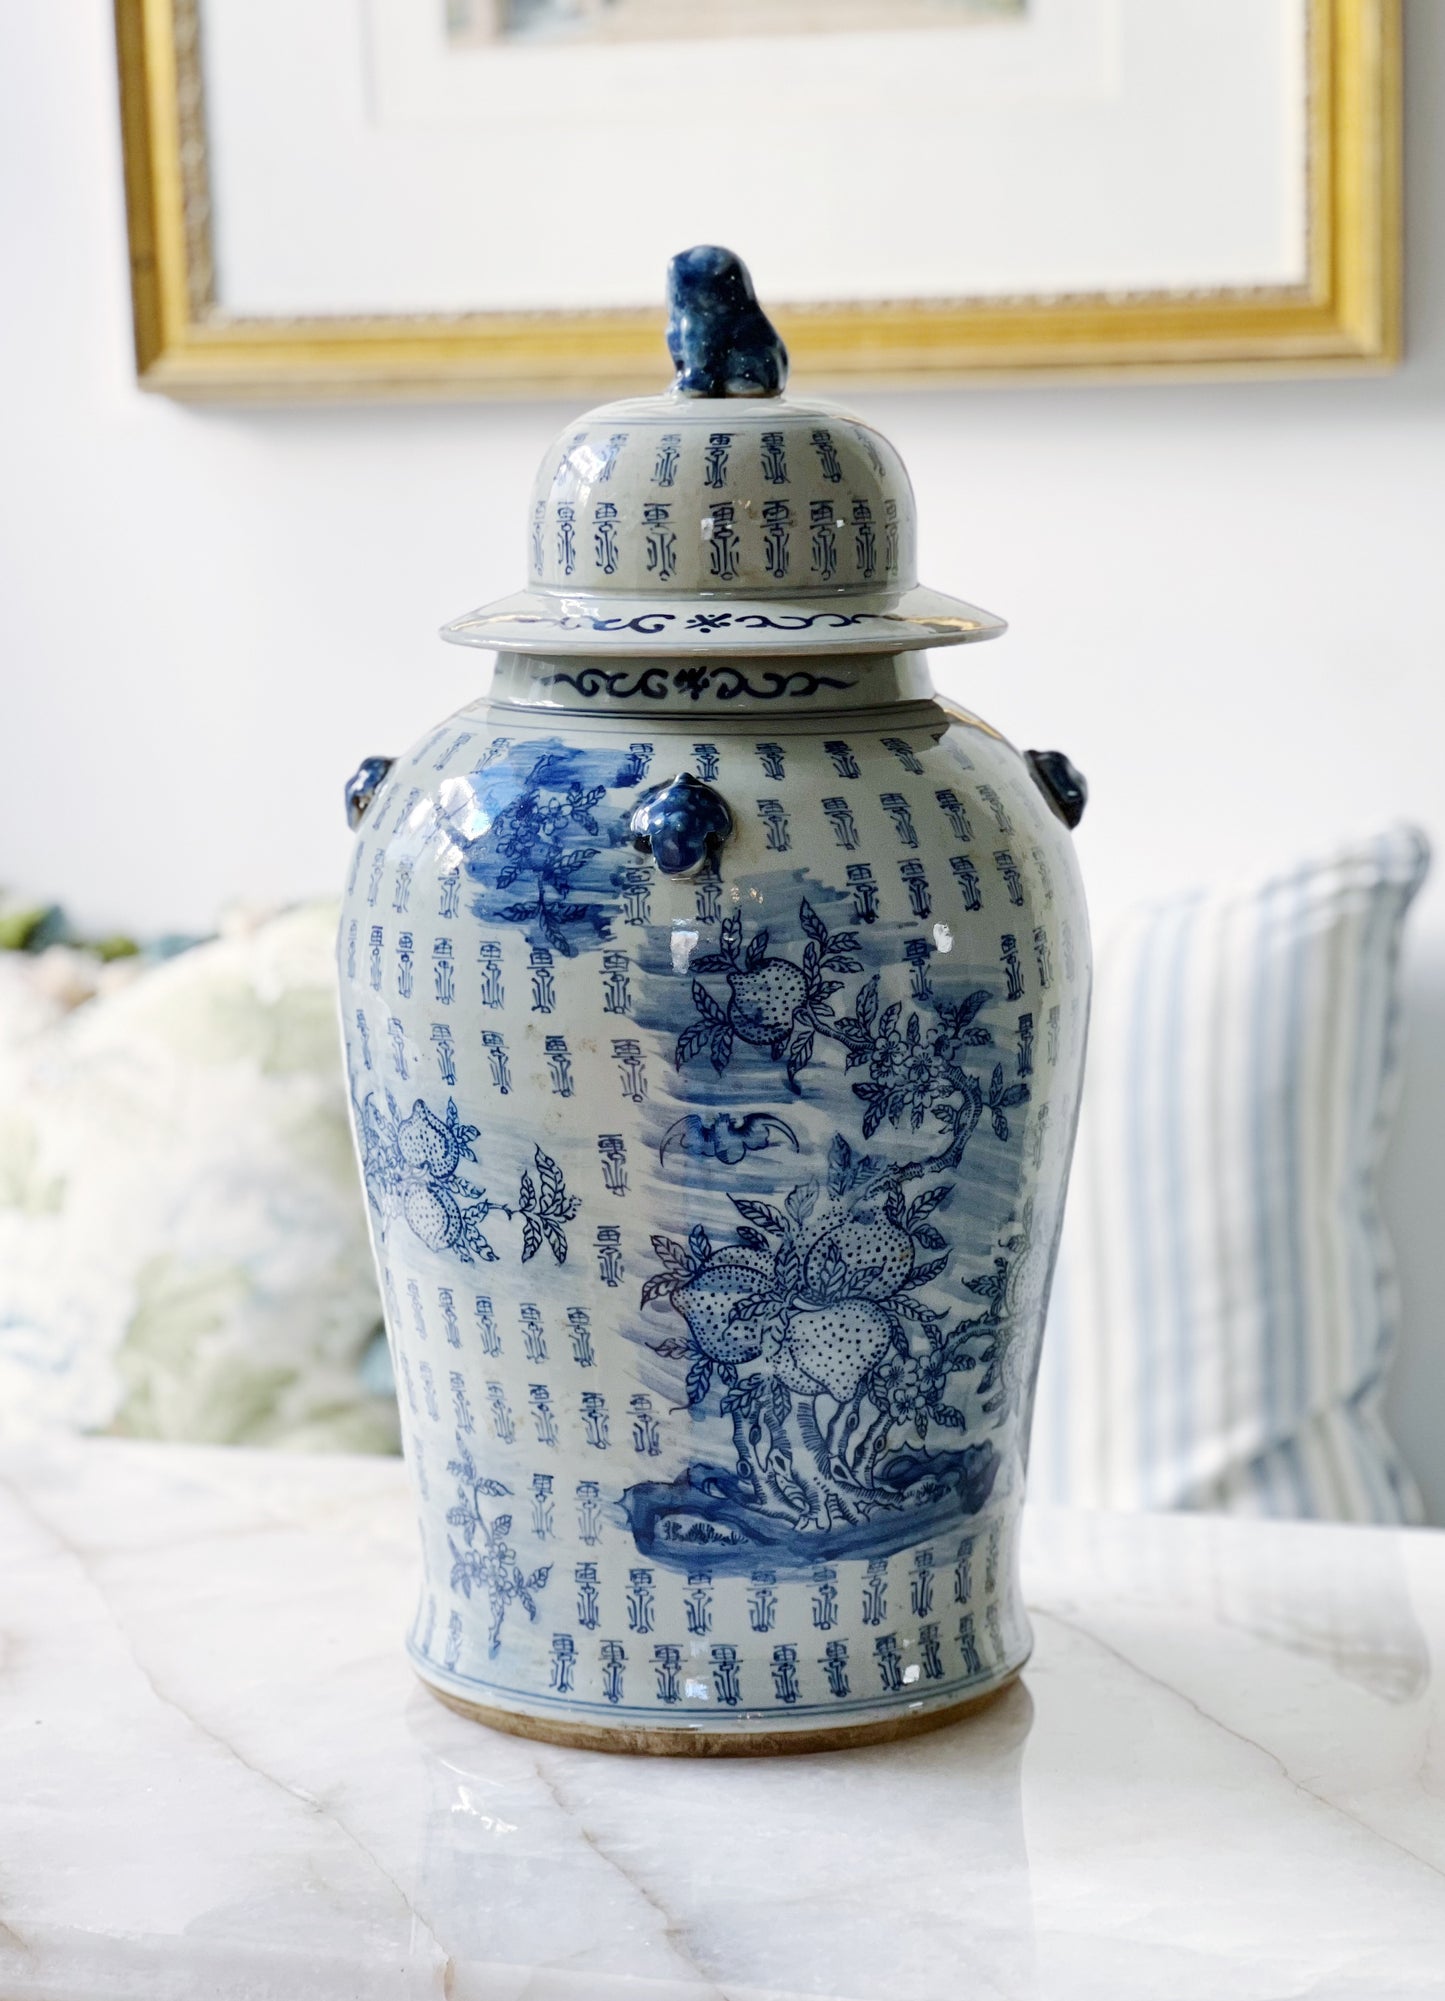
{"x": 633, "y": 1740}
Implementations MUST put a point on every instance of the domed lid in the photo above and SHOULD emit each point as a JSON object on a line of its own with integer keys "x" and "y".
{"x": 722, "y": 516}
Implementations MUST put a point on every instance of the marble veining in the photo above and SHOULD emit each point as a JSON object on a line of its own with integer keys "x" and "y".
{"x": 1221, "y": 1776}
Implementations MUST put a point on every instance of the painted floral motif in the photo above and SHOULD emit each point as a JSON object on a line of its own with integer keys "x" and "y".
{"x": 774, "y": 1003}
{"x": 412, "y": 1166}
{"x": 484, "y": 1559}
{"x": 846, "y": 1390}
{"x": 543, "y": 831}
{"x": 914, "y": 1072}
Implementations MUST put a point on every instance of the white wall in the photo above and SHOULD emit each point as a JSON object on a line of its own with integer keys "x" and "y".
{"x": 1226, "y": 600}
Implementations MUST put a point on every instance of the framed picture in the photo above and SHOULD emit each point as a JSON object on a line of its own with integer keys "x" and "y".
{"x": 479, "y": 197}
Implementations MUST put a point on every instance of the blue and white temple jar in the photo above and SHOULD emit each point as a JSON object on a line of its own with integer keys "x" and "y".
{"x": 715, "y": 1006}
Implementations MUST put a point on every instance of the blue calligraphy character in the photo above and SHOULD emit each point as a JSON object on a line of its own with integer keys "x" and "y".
{"x": 777, "y": 519}
{"x": 544, "y": 983}
{"x": 616, "y": 994}
{"x": 594, "y": 1419}
{"x": 896, "y": 807}
{"x": 627, "y": 1053}
{"x": 534, "y": 1334}
{"x": 501, "y": 1069}
{"x": 966, "y": 876}
{"x": 996, "y": 806}
{"x": 544, "y": 1418}
{"x": 664, "y": 470}
{"x": 954, "y": 807}
{"x": 1013, "y": 881}
{"x": 825, "y": 1598}
{"x": 579, "y": 1322}
{"x": 775, "y": 821}
{"x": 634, "y": 886}
{"x": 890, "y": 1667}
{"x": 697, "y": 1603}
{"x": 762, "y": 1600}
{"x": 489, "y": 958}
{"x": 667, "y": 1665}
{"x": 589, "y": 1604}
{"x": 840, "y": 819}
{"x": 607, "y": 456}
{"x": 916, "y": 883}
{"x": 641, "y": 1599}
{"x": 785, "y": 1674}
{"x": 1009, "y": 958}
{"x": 563, "y": 1663}
{"x": 609, "y": 1253}
{"x": 928, "y": 1652}
{"x": 917, "y": 952}
{"x": 827, "y": 452}
{"x": 905, "y": 753}
{"x": 865, "y": 538}
{"x": 614, "y": 1660}
{"x": 589, "y": 1513}
{"x": 639, "y": 761}
{"x": 722, "y": 541}
{"x": 920, "y": 1584}
{"x": 823, "y": 544}
{"x": 500, "y": 1414}
{"x": 835, "y": 1666}
{"x": 604, "y": 537}
{"x": 661, "y": 547}
{"x": 646, "y": 1434}
{"x": 715, "y": 459}
{"x": 865, "y": 892}
{"x": 486, "y": 1324}
{"x": 614, "y": 1162}
{"x": 773, "y": 445}
{"x": 875, "y": 1591}
{"x": 559, "y": 1065}
{"x": 725, "y": 1675}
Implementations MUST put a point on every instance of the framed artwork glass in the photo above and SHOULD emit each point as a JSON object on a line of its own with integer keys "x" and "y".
{"x": 448, "y": 197}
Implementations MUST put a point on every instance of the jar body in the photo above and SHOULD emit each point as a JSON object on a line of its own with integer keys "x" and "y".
{"x": 715, "y": 1213}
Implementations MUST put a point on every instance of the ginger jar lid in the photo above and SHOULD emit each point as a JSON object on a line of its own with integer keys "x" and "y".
{"x": 723, "y": 516}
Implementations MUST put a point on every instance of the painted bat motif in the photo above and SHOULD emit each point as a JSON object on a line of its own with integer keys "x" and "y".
{"x": 725, "y": 1138}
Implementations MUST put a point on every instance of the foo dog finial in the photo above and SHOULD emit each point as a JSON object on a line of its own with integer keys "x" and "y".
{"x": 721, "y": 341}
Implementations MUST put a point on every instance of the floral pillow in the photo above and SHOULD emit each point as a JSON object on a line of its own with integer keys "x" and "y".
{"x": 183, "y": 1247}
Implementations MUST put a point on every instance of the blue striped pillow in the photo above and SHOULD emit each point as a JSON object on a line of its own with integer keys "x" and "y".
{"x": 1225, "y": 1306}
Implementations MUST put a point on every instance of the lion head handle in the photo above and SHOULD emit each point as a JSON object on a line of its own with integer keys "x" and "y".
{"x": 721, "y": 341}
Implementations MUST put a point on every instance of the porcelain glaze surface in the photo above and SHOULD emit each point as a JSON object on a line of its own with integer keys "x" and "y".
{"x": 714, "y": 1031}
{"x": 715, "y": 1213}
{"x": 1220, "y": 1777}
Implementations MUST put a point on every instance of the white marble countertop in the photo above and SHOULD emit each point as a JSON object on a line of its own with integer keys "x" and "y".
{"x": 1222, "y": 1778}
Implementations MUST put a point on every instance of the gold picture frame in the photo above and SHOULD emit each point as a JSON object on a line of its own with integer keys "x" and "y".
{"x": 1345, "y": 316}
